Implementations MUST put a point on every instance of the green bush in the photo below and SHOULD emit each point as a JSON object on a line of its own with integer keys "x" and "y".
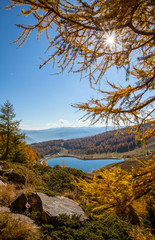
{"x": 58, "y": 179}
{"x": 50, "y": 180}
{"x": 107, "y": 228}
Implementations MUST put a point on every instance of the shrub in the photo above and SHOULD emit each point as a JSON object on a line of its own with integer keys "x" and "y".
{"x": 58, "y": 179}
{"x": 111, "y": 228}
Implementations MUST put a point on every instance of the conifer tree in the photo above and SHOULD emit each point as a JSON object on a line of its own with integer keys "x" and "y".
{"x": 11, "y": 136}
{"x": 115, "y": 190}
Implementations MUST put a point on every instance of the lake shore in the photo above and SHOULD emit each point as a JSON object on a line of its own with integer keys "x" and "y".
{"x": 130, "y": 156}
{"x": 82, "y": 157}
{"x": 86, "y": 165}
{"x": 126, "y": 156}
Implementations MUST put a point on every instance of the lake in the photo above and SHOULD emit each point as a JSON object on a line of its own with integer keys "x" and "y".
{"x": 84, "y": 165}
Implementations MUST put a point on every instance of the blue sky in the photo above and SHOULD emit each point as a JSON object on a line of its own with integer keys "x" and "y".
{"x": 40, "y": 100}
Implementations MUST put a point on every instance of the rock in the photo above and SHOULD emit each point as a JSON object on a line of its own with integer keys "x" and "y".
{"x": 51, "y": 207}
{"x": 15, "y": 178}
{"x": 16, "y": 216}
{"x": 4, "y": 209}
{"x": 19, "y": 204}
{"x": 22, "y": 218}
{"x": 35, "y": 203}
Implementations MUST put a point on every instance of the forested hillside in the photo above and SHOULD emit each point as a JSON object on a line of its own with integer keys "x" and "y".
{"x": 111, "y": 141}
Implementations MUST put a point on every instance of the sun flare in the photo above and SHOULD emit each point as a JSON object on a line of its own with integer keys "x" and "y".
{"x": 110, "y": 39}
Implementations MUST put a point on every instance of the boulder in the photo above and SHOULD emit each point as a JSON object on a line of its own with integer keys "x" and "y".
{"x": 4, "y": 209}
{"x": 19, "y": 204}
{"x": 15, "y": 178}
{"x": 51, "y": 207}
{"x": 22, "y": 218}
{"x": 35, "y": 203}
{"x": 16, "y": 216}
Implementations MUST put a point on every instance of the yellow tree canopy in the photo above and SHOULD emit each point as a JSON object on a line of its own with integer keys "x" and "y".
{"x": 32, "y": 156}
{"x": 114, "y": 189}
{"x": 93, "y": 36}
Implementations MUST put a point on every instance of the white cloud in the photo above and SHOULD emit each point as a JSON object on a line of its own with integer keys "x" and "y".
{"x": 76, "y": 123}
{"x": 60, "y": 123}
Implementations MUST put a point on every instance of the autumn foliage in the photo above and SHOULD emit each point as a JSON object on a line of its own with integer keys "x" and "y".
{"x": 32, "y": 156}
{"x": 78, "y": 31}
{"x": 115, "y": 190}
{"x": 93, "y": 37}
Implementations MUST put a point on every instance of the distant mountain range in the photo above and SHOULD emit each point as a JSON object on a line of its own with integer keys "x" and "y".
{"x": 65, "y": 133}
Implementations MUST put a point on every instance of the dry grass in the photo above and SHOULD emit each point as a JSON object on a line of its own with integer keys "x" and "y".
{"x": 70, "y": 195}
{"x": 11, "y": 228}
{"x": 7, "y": 194}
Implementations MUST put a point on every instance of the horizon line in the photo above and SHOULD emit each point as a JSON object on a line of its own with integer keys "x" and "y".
{"x": 39, "y": 129}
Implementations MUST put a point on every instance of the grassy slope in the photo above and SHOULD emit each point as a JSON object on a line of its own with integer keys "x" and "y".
{"x": 58, "y": 181}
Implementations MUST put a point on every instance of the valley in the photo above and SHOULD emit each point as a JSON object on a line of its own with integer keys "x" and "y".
{"x": 111, "y": 144}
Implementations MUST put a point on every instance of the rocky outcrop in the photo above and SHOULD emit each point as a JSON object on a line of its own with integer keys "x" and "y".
{"x": 15, "y": 177}
{"x": 51, "y": 207}
{"x": 4, "y": 209}
{"x": 22, "y": 218}
{"x": 16, "y": 216}
{"x": 12, "y": 176}
{"x": 19, "y": 204}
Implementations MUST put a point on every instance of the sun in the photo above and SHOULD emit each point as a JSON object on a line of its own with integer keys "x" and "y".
{"x": 110, "y": 40}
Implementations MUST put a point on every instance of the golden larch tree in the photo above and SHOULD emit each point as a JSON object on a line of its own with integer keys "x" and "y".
{"x": 91, "y": 37}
